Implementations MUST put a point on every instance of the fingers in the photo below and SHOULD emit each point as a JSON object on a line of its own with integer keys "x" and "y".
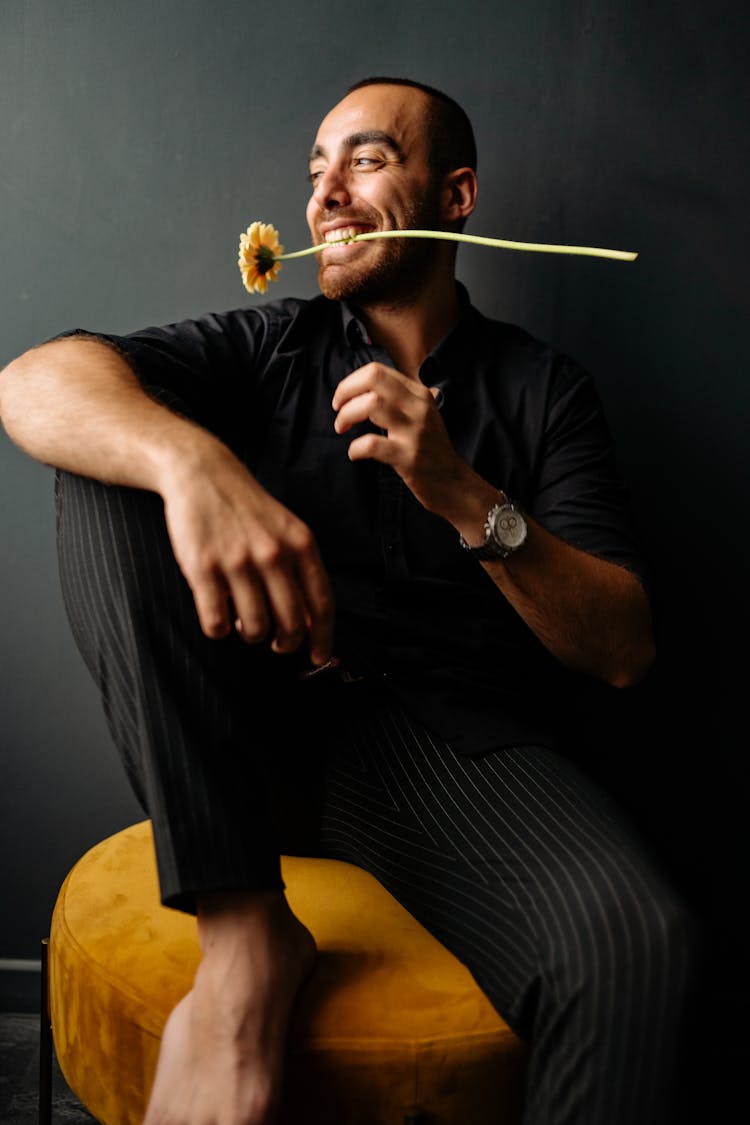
{"x": 282, "y": 594}
{"x": 287, "y": 598}
{"x": 251, "y": 564}
{"x": 373, "y": 447}
{"x": 404, "y": 410}
{"x": 363, "y": 408}
{"x": 319, "y": 600}
{"x": 413, "y": 437}
{"x": 222, "y": 605}
{"x": 252, "y": 619}
{"x": 212, "y": 604}
{"x": 287, "y": 610}
{"x": 370, "y": 376}
{"x": 379, "y": 394}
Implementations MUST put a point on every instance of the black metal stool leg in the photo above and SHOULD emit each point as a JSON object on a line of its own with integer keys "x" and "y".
{"x": 45, "y": 1043}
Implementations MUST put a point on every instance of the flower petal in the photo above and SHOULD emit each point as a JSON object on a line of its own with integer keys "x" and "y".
{"x": 258, "y": 253}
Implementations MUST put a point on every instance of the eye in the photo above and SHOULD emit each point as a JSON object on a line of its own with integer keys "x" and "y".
{"x": 314, "y": 175}
{"x": 366, "y": 161}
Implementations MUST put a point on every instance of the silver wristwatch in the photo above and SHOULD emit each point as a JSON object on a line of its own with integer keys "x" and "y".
{"x": 505, "y": 532}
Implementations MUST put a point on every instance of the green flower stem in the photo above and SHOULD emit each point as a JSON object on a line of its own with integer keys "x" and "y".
{"x": 309, "y": 250}
{"x": 479, "y": 240}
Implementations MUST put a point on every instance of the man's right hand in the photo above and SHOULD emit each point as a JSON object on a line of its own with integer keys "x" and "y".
{"x": 250, "y": 562}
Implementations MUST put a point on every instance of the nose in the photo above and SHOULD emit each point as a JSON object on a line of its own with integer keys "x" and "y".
{"x": 331, "y": 190}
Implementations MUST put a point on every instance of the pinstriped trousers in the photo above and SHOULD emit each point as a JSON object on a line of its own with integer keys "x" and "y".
{"x": 515, "y": 860}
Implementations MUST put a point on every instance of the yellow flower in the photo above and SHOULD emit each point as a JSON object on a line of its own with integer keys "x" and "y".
{"x": 260, "y": 250}
{"x": 261, "y": 253}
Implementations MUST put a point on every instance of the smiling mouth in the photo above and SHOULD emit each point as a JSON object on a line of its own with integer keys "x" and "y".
{"x": 343, "y": 235}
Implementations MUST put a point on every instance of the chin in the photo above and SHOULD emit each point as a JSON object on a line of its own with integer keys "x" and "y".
{"x": 396, "y": 279}
{"x": 339, "y": 284}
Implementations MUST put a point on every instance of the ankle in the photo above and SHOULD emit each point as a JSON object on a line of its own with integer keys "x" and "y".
{"x": 227, "y": 915}
{"x": 254, "y": 928}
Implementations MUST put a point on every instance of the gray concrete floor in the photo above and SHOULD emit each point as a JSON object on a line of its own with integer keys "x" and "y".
{"x": 19, "y": 1077}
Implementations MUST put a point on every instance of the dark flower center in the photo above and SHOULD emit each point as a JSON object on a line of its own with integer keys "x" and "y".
{"x": 264, "y": 259}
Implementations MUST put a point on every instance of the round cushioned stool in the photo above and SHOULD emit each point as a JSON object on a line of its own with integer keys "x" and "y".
{"x": 388, "y": 1028}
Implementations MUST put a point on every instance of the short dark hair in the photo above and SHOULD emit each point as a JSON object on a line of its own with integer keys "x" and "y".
{"x": 452, "y": 143}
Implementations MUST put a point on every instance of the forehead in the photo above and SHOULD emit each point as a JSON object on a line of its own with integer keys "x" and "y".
{"x": 397, "y": 111}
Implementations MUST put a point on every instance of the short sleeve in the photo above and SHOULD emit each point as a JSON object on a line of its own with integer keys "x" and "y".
{"x": 204, "y": 368}
{"x": 581, "y": 496}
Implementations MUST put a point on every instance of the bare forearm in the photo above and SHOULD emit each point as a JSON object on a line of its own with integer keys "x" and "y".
{"x": 75, "y": 404}
{"x": 592, "y": 615}
{"x": 251, "y": 564}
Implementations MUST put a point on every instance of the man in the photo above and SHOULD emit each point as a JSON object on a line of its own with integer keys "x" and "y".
{"x": 409, "y": 514}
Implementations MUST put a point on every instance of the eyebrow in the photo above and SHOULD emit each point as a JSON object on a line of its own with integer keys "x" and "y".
{"x": 368, "y": 137}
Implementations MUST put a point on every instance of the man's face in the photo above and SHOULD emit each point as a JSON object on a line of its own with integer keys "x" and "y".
{"x": 369, "y": 169}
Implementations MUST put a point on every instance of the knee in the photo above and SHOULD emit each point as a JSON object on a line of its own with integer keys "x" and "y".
{"x": 635, "y": 942}
{"x": 666, "y": 942}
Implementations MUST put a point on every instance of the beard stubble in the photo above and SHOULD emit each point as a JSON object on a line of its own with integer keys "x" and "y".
{"x": 400, "y": 272}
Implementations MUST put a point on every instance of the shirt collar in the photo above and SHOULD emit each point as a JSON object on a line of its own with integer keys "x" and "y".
{"x": 354, "y": 329}
{"x": 356, "y": 332}
{"x": 436, "y": 368}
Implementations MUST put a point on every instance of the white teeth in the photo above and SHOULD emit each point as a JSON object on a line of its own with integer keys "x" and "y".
{"x": 342, "y": 234}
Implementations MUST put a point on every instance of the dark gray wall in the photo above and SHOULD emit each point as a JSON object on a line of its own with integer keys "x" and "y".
{"x": 138, "y": 139}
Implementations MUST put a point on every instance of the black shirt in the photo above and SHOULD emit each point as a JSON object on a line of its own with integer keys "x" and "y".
{"x": 413, "y": 608}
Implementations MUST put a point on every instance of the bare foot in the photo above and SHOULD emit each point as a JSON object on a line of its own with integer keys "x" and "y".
{"x": 222, "y": 1050}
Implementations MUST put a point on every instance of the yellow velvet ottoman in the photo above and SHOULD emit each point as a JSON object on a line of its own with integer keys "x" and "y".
{"x": 389, "y": 1028}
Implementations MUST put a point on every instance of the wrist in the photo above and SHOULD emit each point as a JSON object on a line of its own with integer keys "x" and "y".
{"x": 476, "y": 499}
{"x": 505, "y": 532}
{"x": 183, "y": 453}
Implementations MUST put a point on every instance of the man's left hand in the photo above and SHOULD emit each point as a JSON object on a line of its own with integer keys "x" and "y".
{"x": 415, "y": 441}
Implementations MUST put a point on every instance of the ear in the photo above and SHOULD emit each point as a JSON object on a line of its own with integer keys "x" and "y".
{"x": 459, "y": 194}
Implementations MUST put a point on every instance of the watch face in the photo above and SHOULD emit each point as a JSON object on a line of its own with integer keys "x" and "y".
{"x": 508, "y": 527}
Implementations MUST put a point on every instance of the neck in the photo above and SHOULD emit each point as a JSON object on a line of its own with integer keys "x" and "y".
{"x": 409, "y": 330}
